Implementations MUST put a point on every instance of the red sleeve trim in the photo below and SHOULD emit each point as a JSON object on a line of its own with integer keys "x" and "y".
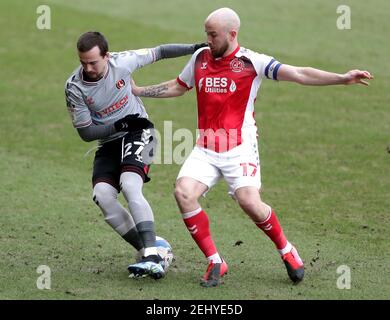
{"x": 183, "y": 84}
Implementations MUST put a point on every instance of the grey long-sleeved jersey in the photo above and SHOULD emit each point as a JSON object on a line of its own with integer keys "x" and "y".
{"x": 97, "y": 105}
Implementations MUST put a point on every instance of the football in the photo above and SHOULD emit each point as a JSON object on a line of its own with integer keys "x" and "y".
{"x": 164, "y": 250}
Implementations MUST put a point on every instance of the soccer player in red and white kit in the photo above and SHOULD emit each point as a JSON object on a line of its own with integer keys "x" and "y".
{"x": 227, "y": 78}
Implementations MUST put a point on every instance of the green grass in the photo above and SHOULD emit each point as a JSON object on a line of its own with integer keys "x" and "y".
{"x": 325, "y": 168}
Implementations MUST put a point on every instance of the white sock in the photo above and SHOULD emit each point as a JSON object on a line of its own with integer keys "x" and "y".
{"x": 286, "y": 249}
{"x": 150, "y": 251}
{"x": 215, "y": 258}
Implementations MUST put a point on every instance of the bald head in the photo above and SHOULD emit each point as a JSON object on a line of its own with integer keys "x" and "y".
{"x": 222, "y": 27}
{"x": 226, "y": 18}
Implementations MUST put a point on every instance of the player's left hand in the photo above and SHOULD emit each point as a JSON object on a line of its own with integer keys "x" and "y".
{"x": 357, "y": 76}
{"x": 131, "y": 122}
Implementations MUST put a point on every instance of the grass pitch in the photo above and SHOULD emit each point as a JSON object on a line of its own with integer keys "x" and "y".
{"x": 324, "y": 152}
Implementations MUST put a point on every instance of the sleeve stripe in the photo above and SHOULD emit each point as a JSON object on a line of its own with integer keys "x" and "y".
{"x": 182, "y": 83}
{"x": 267, "y": 67}
{"x": 275, "y": 73}
{"x": 83, "y": 124}
{"x": 154, "y": 56}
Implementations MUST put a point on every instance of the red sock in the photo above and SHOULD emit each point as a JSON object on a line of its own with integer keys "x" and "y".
{"x": 198, "y": 225}
{"x": 273, "y": 230}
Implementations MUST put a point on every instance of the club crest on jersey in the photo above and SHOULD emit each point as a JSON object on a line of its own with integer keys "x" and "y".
{"x": 120, "y": 84}
{"x": 237, "y": 65}
{"x": 89, "y": 101}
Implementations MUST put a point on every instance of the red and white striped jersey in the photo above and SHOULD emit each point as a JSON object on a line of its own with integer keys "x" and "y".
{"x": 226, "y": 90}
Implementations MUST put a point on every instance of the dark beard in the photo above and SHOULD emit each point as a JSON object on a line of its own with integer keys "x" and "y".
{"x": 221, "y": 51}
{"x": 86, "y": 78}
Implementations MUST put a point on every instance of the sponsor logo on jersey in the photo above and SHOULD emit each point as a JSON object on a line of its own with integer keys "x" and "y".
{"x": 120, "y": 84}
{"x": 200, "y": 84}
{"x": 204, "y": 65}
{"x": 237, "y": 65}
{"x": 233, "y": 86}
{"x": 111, "y": 109}
{"x": 216, "y": 85}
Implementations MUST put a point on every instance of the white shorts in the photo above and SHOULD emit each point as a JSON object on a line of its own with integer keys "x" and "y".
{"x": 240, "y": 166}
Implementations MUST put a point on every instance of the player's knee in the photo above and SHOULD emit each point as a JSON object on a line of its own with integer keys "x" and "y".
{"x": 249, "y": 201}
{"x": 257, "y": 210}
{"x": 248, "y": 206}
{"x": 103, "y": 194}
{"x": 183, "y": 194}
{"x": 131, "y": 186}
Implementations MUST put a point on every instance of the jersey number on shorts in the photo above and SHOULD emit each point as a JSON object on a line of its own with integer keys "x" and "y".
{"x": 248, "y": 169}
{"x": 127, "y": 150}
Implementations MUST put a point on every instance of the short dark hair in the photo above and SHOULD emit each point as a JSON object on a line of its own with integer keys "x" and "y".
{"x": 90, "y": 39}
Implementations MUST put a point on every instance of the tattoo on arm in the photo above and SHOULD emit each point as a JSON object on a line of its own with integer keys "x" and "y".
{"x": 154, "y": 91}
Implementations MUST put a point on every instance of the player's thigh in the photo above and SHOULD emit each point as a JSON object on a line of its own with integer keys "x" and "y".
{"x": 199, "y": 167}
{"x": 106, "y": 165}
{"x": 137, "y": 152}
{"x": 241, "y": 168}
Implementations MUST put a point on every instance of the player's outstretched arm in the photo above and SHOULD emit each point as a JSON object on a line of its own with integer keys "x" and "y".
{"x": 165, "y": 51}
{"x": 316, "y": 77}
{"x": 166, "y": 89}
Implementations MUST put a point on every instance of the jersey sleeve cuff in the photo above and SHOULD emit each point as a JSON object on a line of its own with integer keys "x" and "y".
{"x": 83, "y": 125}
{"x": 182, "y": 83}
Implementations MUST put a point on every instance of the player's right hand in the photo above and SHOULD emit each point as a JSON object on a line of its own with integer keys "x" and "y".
{"x": 357, "y": 76}
{"x": 132, "y": 122}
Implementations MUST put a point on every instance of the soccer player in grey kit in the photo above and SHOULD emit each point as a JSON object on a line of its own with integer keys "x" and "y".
{"x": 102, "y": 107}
